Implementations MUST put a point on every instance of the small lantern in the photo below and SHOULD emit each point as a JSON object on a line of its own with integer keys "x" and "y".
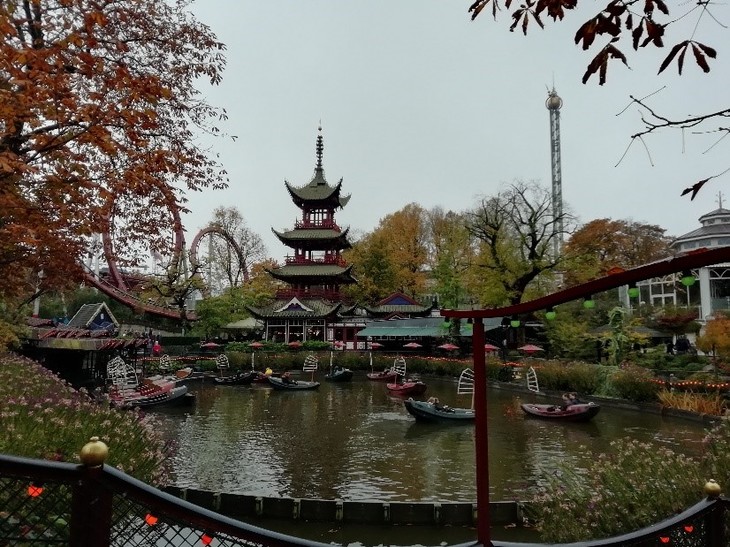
{"x": 550, "y": 314}
{"x": 150, "y": 519}
{"x": 687, "y": 278}
{"x": 514, "y": 322}
{"x": 633, "y": 291}
{"x": 589, "y": 303}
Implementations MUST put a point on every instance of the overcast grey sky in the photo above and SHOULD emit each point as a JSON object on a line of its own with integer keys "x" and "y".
{"x": 420, "y": 104}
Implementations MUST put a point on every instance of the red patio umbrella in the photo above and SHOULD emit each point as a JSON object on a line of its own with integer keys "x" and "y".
{"x": 490, "y": 347}
{"x": 210, "y": 345}
{"x": 412, "y": 345}
{"x": 530, "y": 348}
{"x": 448, "y": 346}
{"x": 255, "y": 345}
{"x": 295, "y": 344}
{"x": 376, "y": 345}
{"x": 338, "y": 344}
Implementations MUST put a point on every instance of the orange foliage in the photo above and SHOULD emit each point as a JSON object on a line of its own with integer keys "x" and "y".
{"x": 97, "y": 117}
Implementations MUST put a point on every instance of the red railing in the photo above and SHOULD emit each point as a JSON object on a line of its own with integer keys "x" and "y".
{"x": 321, "y": 225}
{"x": 312, "y": 293}
{"x": 300, "y": 260}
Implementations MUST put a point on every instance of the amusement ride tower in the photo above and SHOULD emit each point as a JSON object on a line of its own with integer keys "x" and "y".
{"x": 554, "y": 103}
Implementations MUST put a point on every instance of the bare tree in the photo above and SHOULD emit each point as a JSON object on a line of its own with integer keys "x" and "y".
{"x": 515, "y": 230}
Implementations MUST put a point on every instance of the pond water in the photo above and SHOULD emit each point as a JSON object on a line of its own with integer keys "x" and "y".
{"x": 354, "y": 441}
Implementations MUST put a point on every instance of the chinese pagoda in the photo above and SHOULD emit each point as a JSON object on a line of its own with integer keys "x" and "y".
{"x": 311, "y": 306}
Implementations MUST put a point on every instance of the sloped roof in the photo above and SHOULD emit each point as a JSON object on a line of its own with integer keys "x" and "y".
{"x": 318, "y": 192}
{"x": 398, "y": 303}
{"x": 88, "y": 313}
{"x": 293, "y": 308}
{"x": 405, "y": 328}
{"x": 316, "y": 273}
{"x": 315, "y": 238}
{"x": 249, "y": 323}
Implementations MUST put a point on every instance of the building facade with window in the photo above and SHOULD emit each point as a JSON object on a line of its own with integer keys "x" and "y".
{"x": 711, "y": 291}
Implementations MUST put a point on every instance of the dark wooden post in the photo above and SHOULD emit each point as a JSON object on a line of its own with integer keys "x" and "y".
{"x": 91, "y": 511}
{"x": 481, "y": 437}
{"x": 91, "y": 503}
{"x": 715, "y": 519}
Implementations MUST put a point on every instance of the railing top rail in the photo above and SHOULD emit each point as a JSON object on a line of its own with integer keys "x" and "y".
{"x": 194, "y": 514}
{"x": 638, "y": 537}
{"x": 166, "y": 504}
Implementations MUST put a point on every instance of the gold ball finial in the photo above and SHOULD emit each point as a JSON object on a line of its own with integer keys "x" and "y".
{"x": 712, "y": 489}
{"x": 94, "y": 453}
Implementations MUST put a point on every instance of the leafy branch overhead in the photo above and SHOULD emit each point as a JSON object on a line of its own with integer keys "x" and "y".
{"x": 625, "y": 26}
{"x": 638, "y": 19}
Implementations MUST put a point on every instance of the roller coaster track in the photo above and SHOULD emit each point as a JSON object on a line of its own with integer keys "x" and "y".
{"x": 134, "y": 302}
{"x": 116, "y": 285}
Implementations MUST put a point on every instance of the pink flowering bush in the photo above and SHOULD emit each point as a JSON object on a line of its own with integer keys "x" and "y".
{"x": 42, "y": 416}
{"x": 637, "y": 485}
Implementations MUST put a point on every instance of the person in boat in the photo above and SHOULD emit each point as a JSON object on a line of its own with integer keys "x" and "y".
{"x": 286, "y": 378}
{"x": 570, "y": 399}
{"x": 437, "y": 404}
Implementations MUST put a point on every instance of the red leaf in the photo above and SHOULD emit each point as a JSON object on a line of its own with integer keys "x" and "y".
{"x": 587, "y": 33}
{"x": 654, "y": 32}
{"x": 695, "y": 188}
{"x": 680, "y": 61}
{"x": 667, "y": 61}
{"x": 595, "y": 64}
{"x": 636, "y": 34}
{"x": 615, "y": 9}
{"x": 477, "y": 7}
{"x": 710, "y": 52}
{"x": 700, "y": 58}
{"x": 662, "y": 6}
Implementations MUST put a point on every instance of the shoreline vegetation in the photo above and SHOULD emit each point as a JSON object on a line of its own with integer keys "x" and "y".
{"x": 42, "y": 416}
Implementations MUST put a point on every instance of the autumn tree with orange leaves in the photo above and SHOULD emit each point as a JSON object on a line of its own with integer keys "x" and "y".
{"x": 99, "y": 114}
{"x": 625, "y": 27}
{"x": 603, "y": 244}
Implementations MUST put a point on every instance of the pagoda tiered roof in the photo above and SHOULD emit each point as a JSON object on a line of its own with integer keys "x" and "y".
{"x": 306, "y": 272}
{"x": 297, "y": 308}
{"x": 318, "y": 193}
{"x": 314, "y": 238}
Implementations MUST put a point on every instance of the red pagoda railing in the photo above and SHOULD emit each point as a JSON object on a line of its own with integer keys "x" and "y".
{"x": 329, "y": 294}
{"x": 300, "y": 260}
{"x": 319, "y": 225}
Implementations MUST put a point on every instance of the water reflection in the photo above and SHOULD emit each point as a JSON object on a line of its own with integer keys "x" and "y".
{"x": 355, "y": 442}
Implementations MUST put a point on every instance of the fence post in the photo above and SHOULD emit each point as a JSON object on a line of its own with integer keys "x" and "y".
{"x": 715, "y": 520}
{"x": 91, "y": 504}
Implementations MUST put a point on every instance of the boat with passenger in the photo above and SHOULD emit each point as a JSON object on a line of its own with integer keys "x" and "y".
{"x": 433, "y": 412}
{"x": 127, "y": 391}
{"x": 402, "y": 385}
{"x": 579, "y": 412}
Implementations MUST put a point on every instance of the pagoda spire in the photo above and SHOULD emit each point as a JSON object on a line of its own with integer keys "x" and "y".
{"x": 320, "y": 148}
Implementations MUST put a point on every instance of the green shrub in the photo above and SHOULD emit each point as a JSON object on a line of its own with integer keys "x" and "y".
{"x": 635, "y": 384}
{"x": 559, "y": 376}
